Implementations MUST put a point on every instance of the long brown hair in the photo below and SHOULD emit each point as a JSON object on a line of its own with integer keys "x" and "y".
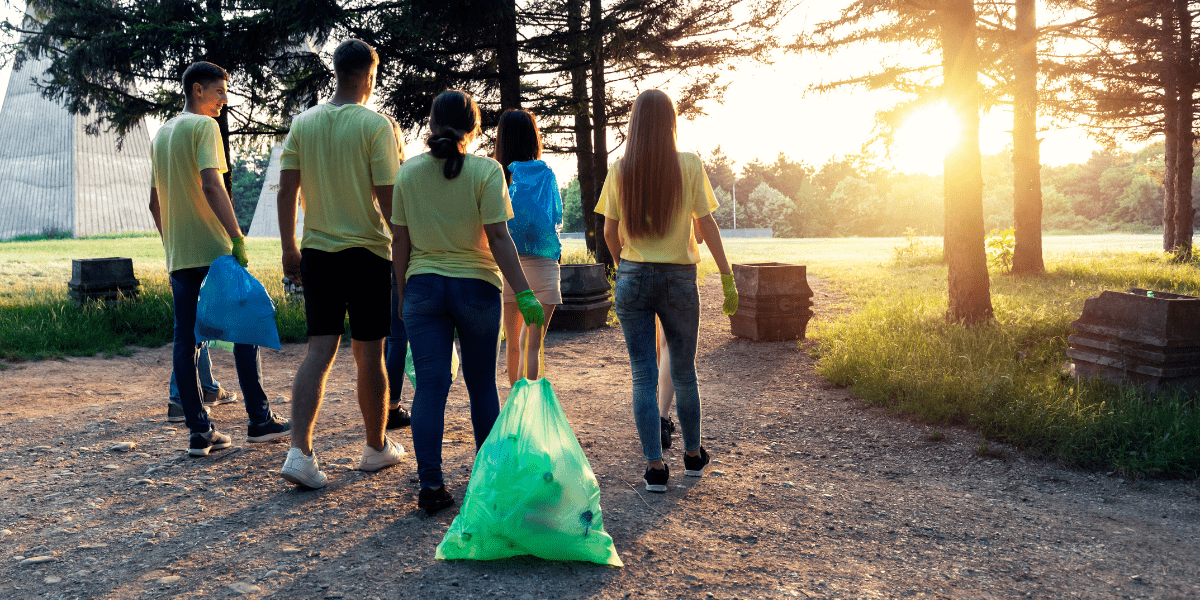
{"x": 650, "y": 180}
{"x": 517, "y": 139}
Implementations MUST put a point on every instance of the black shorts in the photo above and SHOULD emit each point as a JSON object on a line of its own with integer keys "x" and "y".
{"x": 354, "y": 281}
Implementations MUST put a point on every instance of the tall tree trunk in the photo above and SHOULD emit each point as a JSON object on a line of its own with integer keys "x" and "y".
{"x": 509, "y": 65}
{"x": 595, "y": 233}
{"x": 969, "y": 287}
{"x": 583, "y": 121}
{"x": 1170, "y": 122}
{"x": 1027, "y": 167}
{"x": 216, "y": 57}
{"x": 1185, "y": 213}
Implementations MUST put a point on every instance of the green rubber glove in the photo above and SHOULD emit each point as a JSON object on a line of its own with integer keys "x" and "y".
{"x": 731, "y": 295}
{"x": 530, "y": 308}
{"x": 239, "y": 251}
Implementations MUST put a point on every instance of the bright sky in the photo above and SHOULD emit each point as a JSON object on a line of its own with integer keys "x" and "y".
{"x": 766, "y": 112}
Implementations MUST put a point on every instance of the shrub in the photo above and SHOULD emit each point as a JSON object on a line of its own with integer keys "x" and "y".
{"x": 916, "y": 252}
{"x": 1001, "y": 244}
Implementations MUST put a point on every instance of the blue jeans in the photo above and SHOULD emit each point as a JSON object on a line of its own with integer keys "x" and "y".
{"x": 434, "y": 307}
{"x": 185, "y": 292}
{"x": 669, "y": 291}
{"x": 204, "y": 370}
{"x": 397, "y": 348}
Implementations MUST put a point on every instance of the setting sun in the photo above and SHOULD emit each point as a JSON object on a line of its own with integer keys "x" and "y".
{"x": 922, "y": 141}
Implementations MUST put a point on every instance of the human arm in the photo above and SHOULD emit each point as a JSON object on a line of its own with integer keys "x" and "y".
{"x": 383, "y": 194}
{"x": 218, "y": 200}
{"x": 285, "y": 207}
{"x": 712, "y": 235}
{"x": 612, "y": 238}
{"x": 696, "y": 231}
{"x": 155, "y": 210}
{"x": 401, "y": 252}
{"x": 504, "y": 251}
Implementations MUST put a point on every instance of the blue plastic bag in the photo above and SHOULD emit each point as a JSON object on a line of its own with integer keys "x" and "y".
{"x": 537, "y": 209}
{"x": 234, "y": 307}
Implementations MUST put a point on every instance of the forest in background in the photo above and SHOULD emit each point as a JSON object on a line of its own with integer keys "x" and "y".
{"x": 1112, "y": 191}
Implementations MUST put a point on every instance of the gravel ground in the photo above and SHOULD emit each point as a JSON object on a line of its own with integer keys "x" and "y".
{"x": 813, "y": 494}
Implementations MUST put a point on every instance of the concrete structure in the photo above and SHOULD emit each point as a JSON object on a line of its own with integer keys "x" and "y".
{"x": 265, "y": 222}
{"x": 54, "y": 177}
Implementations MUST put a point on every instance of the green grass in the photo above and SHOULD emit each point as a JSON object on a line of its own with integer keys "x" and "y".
{"x": 1006, "y": 378}
{"x": 38, "y": 320}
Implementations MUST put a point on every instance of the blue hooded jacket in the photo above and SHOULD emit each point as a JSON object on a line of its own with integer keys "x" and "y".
{"x": 537, "y": 209}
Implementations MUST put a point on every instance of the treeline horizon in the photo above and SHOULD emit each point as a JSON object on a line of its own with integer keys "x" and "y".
{"x": 1113, "y": 191}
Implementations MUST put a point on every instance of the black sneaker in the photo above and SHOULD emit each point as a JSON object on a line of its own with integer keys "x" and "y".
{"x": 694, "y": 466}
{"x": 203, "y": 443}
{"x": 433, "y": 500}
{"x": 397, "y": 418}
{"x": 668, "y": 427}
{"x": 274, "y": 428}
{"x": 656, "y": 479}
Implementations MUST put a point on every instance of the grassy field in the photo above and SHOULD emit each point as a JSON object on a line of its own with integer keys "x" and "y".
{"x": 893, "y": 347}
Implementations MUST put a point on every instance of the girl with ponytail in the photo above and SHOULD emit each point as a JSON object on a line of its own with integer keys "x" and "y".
{"x": 649, "y": 201}
{"x": 450, "y": 246}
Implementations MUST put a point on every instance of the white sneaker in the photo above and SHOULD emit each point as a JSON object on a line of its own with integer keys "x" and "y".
{"x": 374, "y": 460}
{"x": 303, "y": 470}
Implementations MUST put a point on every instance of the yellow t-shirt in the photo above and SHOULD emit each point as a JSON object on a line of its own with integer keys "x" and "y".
{"x": 192, "y": 234}
{"x": 678, "y": 246}
{"x": 445, "y": 217}
{"x": 342, "y": 152}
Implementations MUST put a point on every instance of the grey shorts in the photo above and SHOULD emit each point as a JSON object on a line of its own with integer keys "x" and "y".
{"x": 543, "y": 277}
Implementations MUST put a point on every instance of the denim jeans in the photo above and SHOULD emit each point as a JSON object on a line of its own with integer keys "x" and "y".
{"x": 397, "y": 349}
{"x": 204, "y": 370}
{"x": 434, "y": 307}
{"x": 185, "y": 292}
{"x": 669, "y": 291}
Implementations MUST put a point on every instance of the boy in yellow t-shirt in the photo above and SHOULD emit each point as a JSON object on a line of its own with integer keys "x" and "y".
{"x": 343, "y": 157}
{"x": 195, "y": 218}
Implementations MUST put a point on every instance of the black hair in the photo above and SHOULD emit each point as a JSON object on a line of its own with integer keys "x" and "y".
{"x": 454, "y": 116}
{"x": 517, "y": 139}
{"x": 203, "y": 73}
{"x": 353, "y": 57}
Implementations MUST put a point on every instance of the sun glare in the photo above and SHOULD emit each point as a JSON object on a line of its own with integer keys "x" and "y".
{"x": 923, "y": 140}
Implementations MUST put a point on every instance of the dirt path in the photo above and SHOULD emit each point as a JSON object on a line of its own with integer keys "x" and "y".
{"x": 813, "y": 495}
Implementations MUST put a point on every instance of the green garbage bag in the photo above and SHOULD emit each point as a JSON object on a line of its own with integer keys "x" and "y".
{"x": 532, "y": 491}
{"x": 411, "y": 371}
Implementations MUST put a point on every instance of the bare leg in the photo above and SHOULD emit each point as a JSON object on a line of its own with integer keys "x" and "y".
{"x": 512, "y": 341}
{"x": 372, "y": 388}
{"x": 666, "y": 389}
{"x": 309, "y": 387}
{"x": 535, "y": 348}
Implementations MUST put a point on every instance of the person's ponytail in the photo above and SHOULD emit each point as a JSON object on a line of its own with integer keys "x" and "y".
{"x": 453, "y": 122}
{"x": 448, "y": 145}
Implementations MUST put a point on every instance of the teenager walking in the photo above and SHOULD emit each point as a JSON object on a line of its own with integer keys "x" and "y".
{"x": 649, "y": 200}
{"x": 538, "y": 212}
{"x": 450, "y": 245}
{"x": 343, "y": 156}
{"x": 195, "y": 218}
